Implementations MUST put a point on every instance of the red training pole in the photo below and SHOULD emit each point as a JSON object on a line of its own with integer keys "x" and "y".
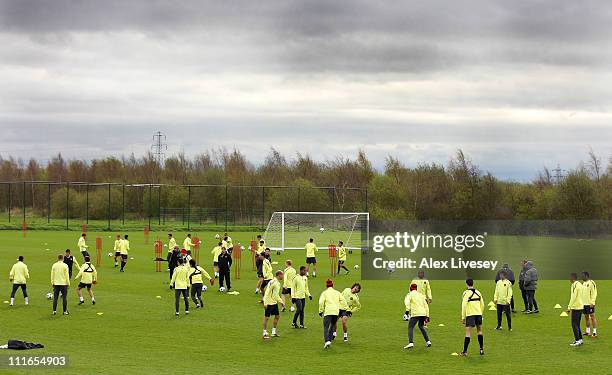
{"x": 237, "y": 254}
{"x": 98, "y": 251}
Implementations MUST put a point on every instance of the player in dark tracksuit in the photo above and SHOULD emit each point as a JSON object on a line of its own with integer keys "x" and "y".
{"x": 69, "y": 260}
{"x": 225, "y": 262}
{"x": 173, "y": 261}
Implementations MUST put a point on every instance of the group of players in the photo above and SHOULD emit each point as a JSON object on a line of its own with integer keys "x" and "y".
{"x": 583, "y": 296}
{"x": 61, "y": 274}
{"x": 276, "y": 286}
{"x": 186, "y": 275}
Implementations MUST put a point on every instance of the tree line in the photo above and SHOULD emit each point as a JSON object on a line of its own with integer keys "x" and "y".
{"x": 458, "y": 190}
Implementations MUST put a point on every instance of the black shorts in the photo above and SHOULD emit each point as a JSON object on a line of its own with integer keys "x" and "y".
{"x": 124, "y": 256}
{"x": 311, "y": 260}
{"x": 342, "y": 313}
{"x": 588, "y": 310}
{"x": 286, "y": 291}
{"x": 271, "y": 310}
{"x": 473, "y": 321}
{"x": 83, "y": 285}
{"x": 117, "y": 254}
{"x": 340, "y": 262}
{"x": 215, "y": 264}
{"x": 265, "y": 283}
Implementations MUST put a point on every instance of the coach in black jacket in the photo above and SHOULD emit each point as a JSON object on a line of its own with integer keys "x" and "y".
{"x": 173, "y": 261}
{"x": 225, "y": 262}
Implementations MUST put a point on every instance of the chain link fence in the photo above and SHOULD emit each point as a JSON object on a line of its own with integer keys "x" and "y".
{"x": 114, "y": 206}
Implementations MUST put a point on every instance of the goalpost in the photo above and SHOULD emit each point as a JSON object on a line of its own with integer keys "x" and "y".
{"x": 292, "y": 230}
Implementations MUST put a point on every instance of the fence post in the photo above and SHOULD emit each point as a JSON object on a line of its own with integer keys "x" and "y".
{"x": 24, "y": 201}
{"x": 109, "y": 207}
{"x": 149, "y": 205}
{"x": 159, "y": 205}
{"x": 263, "y": 208}
{"x": 10, "y": 203}
{"x": 48, "y": 203}
{"x": 67, "y": 204}
{"x": 87, "y": 204}
{"x": 189, "y": 208}
{"x": 123, "y": 204}
{"x": 334, "y": 199}
{"x": 366, "y": 199}
{"x": 226, "y": 207}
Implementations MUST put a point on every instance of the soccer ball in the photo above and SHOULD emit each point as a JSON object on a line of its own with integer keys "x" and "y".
{"x": 322, "y": 229}
{"x": 217, "y": 236}
{"x": 222, "y": 289}
{"x": 110, "y": 254}
{"x": 49, "y": 295}
{"x": 356, "y": 266}
{"x": 204, "y": 288}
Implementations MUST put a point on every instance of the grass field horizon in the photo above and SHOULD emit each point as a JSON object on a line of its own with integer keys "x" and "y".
{"x": 138, "y": 332}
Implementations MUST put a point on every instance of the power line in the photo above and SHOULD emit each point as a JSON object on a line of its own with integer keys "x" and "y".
{"x": 159, "y": 147}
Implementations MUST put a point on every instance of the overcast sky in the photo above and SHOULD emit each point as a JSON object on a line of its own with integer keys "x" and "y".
{"x": 516, "y": 84}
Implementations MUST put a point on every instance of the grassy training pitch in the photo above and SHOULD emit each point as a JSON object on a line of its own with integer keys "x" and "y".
{"x": 138, "y": 332}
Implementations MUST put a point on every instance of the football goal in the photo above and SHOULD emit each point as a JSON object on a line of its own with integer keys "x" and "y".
{"x": 291, "y": 230}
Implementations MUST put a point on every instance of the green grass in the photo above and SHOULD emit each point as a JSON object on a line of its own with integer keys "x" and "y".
{"x": 138, "y": 332}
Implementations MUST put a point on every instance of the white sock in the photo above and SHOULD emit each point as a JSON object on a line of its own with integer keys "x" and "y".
{"x": 335, "y": 334}
{"x": 345, "y": 334}
{"x": 588, "y": 329}
{"x": 27, "y": 300}
{"x": 307, "y": 274}
{"x": 256, "y": 290}
{"x": 93, "y": 299}
{"x": 273, "y": 330}
{"x": 265, "y": 332}
{"x": 314, "y": 274}
{"x": 81, "y": 299}
{"x": 594, "y": 330}
{"x": 12, "y": 300}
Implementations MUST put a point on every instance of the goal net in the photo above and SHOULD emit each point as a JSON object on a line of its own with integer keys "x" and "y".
{"x": 292, "y": 230}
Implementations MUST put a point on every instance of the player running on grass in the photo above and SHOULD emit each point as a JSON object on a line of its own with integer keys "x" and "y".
{"x": 299, "y": 292}
{"x": 311, "y": 250}
{"x": 290, "y": 273}
{"x": 196, "y": 279}
{"x": 19, "y": 276}
{"x": 423, "y": 287}
{"x": 416, "y": 313}
{"x": 187, "y": 244}
{"x": 270, "y": 303}
{"x": 180, "y": 283}
{"x": 342, "y": 257}
{"x": 82, "y": 244}
{"x": 216, "y": 251}
{"x": 472, "y": 307}
{"x": 502, "y": 298}
{"x": 351, "y": 296}
{"x": 589, "y": 307}
{"x": 330, "y": 304}
{"x": 124, "y": 251}
{"x": 117, "y": 249}
{"x": 89, "y": 276}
